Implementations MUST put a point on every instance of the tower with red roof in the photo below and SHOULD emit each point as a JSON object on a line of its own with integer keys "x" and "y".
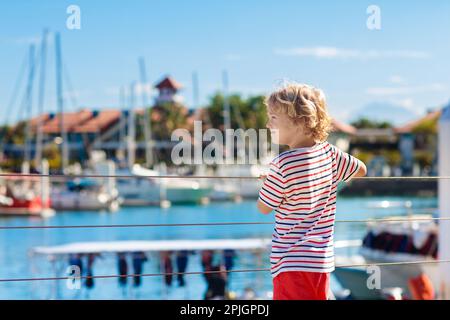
{"x": 167, "y": 91}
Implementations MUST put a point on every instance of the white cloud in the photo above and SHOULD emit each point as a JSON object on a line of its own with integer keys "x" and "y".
{"x": 387, "y": 91}
{"x": 341, "y": 53}
{"x": 318, "y": 52}
{"x": 143, "y": 87}
{"x": 29, "y": 40}
{"x": 75, "y": 94}
{"x": 396, "y": 79}
{"x": 233, "y": 57}
{"x": 406, "y": 103}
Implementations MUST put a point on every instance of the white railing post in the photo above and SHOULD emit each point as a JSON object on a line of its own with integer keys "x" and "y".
{"x": 444, "y": 201}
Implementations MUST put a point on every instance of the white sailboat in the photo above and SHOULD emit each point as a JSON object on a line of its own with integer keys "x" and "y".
{"x": 392, "y": 241}
{"x": 142, "y": 190}
{"x": 244, "y": 188}
{"x": 81, "y": 194}
{"x": 89, "y": 193}
{"x": 84, "y": 194}
{"x": 28, "y": 196}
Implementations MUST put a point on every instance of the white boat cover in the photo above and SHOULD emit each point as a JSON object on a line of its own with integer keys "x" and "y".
{"x": 156, "y": 245}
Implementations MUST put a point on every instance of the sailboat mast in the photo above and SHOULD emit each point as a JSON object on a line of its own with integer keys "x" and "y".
{"x": 29, "y": 104}
{"x": 38, "y": 155}
{"x": 195, "y": 90}
{"x": 147, "y": 121}
{"x": 229, "y": 151}
{"x": 123, "y": 121}
{"x": 226, "y": 103}
{"x": 60, "y": 102}
{"x": 131, "y": 129}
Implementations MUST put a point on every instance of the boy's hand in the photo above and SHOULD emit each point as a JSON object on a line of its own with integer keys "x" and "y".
{"x": 262, "y": 176}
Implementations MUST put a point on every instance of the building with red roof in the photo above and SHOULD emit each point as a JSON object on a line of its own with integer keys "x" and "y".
{"x": 418, "y": 143}
{"x": 167, "y": 91}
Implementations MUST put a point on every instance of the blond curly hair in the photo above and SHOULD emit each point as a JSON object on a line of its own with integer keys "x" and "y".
{"x": 305, "y": 105}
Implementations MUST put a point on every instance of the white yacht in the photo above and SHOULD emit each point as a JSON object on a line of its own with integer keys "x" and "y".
{"x": 84, "y": 194}
{"x": 88, "y": 193}
{"x": 248, "y": 187}
{"x": 393, "y": 241}
{"x": 141, "y": 190}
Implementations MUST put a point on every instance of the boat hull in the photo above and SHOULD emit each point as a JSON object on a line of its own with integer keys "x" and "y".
{"x": 395, "y": 276}
{"x": 80, "y": 201}
{"x": 23, "y": 207}
{"x": 152, "y": 196}
{"x": 142, "y": 192}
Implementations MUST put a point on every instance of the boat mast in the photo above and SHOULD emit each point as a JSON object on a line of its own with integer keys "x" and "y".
{"x": 226, "y": 103}
{"x": 122, "y": 124}
{"x": 195, "y": 100}
{"x": 147, "y": 120}
{"x": 38, "y": 155}
{"x": 60, "y": 102}
{"x": 131, "y": 143}
{"x": 195, "y": 90}
{"x": 227, "y": 122}
{"x": 226, "y": 118}
{"x": 29, "y": 106}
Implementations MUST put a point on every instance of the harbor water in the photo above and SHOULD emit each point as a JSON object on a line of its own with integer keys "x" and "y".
{"x": 16, "y": 262}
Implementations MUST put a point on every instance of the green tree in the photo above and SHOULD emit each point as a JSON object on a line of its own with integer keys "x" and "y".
{"x": 365, "y": 123}
{"x": 244, "y": 113}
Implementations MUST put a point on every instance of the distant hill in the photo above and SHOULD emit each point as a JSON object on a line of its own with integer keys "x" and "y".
{"x": 384, "y": 111}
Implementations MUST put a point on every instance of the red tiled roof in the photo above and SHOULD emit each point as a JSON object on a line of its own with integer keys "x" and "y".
{"x": 98, "y": 123}
{"x": 168, "y": 82}
{"x": 70, "y": 120}
{"x": 430, "y": 116}
{"x": 342, "y": 127}
{"x": 43, "y": 118}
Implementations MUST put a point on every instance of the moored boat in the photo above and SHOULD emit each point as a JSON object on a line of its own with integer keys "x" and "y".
{"x": 410, "y": 241}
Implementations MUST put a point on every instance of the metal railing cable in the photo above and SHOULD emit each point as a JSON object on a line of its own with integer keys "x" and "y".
{"x": 380, "y": 264}
{"x": 206, "y": 224}
{"x": 73, "y": 176}
{"x": 63, "y": 176}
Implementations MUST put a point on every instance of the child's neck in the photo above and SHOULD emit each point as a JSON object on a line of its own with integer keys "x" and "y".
{"x": 304, "y": 143}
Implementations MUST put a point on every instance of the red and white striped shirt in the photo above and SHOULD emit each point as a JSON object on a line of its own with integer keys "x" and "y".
{"x": 301, "y": 187}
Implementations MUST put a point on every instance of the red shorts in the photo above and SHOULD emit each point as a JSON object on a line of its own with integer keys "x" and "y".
{"x": 300, "y": 285}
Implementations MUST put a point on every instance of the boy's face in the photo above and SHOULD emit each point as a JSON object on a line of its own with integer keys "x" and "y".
{"x": 282, "y": 128}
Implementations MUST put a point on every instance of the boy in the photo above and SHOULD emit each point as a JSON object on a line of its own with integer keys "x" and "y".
{"x": 301, "y": 187}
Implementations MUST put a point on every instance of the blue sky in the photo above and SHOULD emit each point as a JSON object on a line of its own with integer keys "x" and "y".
{"x": 259, "y": 43}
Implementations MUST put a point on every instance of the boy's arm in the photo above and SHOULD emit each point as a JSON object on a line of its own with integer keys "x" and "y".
{"x": 260, "y": 205}
{"x": 347, "y": 166}
{"x": 362, "y": 172}
{"x": 271, "y": 194}
{"x": 263, "y": 208}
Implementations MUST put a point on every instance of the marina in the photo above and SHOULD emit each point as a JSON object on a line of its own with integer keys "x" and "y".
{"x": 26, "y": 262}
{"x": 185, "y": 151}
